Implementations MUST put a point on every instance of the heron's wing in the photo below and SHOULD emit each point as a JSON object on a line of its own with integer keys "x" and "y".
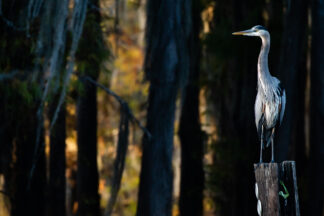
{"x": 258, "y": 111}
{"x": 283, "y": 105}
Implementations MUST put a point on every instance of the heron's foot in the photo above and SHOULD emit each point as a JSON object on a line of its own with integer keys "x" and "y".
{"x": 272, "y": 161}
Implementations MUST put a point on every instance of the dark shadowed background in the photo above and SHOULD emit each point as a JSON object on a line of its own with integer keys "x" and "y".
{"x": 146, "y": 107}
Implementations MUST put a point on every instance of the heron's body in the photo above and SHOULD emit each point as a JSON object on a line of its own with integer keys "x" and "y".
{"x": 271, "y": 97}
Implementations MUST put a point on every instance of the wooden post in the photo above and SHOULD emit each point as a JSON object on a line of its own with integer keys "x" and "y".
{"x": 267, "y": 188}
{"x": 276, "y": 189}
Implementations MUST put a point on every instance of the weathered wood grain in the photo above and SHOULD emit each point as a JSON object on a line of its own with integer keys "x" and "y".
{"x": 287, "y": 175}
{"x": 273, "y": 178}
{"x": 266, "y": 175}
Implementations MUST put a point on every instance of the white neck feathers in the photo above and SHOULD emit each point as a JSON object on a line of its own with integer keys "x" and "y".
{"x": 264, "y": 76}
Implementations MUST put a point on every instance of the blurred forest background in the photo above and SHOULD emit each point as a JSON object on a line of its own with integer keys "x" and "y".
{"x": 146, "y": 107}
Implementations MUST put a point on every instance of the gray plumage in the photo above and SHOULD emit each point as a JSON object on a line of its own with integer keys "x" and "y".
{"x": 270, "y": 101}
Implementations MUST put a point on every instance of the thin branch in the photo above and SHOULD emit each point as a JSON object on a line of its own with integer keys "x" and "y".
{"x": 9, "y": 76}
{"x": 119, "y": 163}
{"x": 33, "y": 10}
{"x": 125, "y": 115}
{"x": 77, "y": 22}
{"x": 116, "y": 25}
{"x": 123, "y": 104}
{"x": 9, "y": 22}
{"x": 6, "y": 194}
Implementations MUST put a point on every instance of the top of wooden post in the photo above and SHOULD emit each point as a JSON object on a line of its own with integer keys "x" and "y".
{"x": 272, "y": 179}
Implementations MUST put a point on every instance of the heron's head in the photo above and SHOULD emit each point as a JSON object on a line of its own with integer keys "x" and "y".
{"x": 257, "y": 30}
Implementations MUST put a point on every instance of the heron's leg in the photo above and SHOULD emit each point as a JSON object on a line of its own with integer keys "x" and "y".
{"x": 261, "y": 144}
{"x": 272, "y": 145}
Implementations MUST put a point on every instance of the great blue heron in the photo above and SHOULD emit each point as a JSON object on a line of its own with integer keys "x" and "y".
{"x": 270, "y": 101}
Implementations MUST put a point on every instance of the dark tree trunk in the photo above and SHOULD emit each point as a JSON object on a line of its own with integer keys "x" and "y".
{"x": 18, "y": 140}
{"x": 6, "y": 138}
{"x": 232, "y": 64}
{"x": 87, "y": 174}
{"x": 275, "y": 25}
{"x": 57, "y": 182}
{"x": 291, "y": 71}
{"x": 155, "y": 197}
{"x": 18, "y": 109}
{"x": 297, "y": 150}
{"x": 91, "y": 44}
{"x": 289, "y": 63}
{"x": 28, "y": 200}
{"x": 166, "y": 67}
{"x": 191, "y": 136}
{"x": 316, "y": 189}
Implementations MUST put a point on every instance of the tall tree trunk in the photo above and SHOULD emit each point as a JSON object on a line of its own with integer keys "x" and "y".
{"x": 18, "y": 132}
{"x": 232, "y": 63}
{"x": 290, "y": 142}
{"x": 155, "y": 196}
{"x": 6, "y": 139}
{"x": 87, "y": 174}
{"x": 28, "y": 200}
{"x": 17, "y": 150}
{"x": 275, "y": 25}
{"x": 291, "y": 69}
{"x": 57, "y": 182}
{"x": 166, "y": 67}
{"x": 316, "y": 189}
{"x": 191, "y": 136}
{"x": 88, "y": 57}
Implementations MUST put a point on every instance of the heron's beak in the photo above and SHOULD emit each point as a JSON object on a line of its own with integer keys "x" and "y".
{"x": 246, "y": 32}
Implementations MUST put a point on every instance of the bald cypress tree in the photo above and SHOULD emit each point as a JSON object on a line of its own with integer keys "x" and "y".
{"x": 316, "y": 189}
{"x": 20, "y": 99}
{"x": 191, "y": 136}
{"x": 88, "y": 59}
{"x": 292, "y": 73}
{"x": 166, "y": 67}
{"x": 57, "y": 181}
{"x": 291, "y": 68}
{"x": 232, "y": 82}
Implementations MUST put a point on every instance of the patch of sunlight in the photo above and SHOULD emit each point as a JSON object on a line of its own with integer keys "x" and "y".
{"x": 4, "y": 200}
{"x": 207, "y": 17}
{"x": 71, "y": 144}
{"x": 175, "y": 210}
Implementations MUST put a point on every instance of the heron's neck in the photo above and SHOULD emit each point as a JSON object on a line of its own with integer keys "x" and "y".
{"x": 264, "y": 76}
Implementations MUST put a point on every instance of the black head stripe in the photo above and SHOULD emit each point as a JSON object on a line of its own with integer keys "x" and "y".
{"x": 259, "y": 27}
